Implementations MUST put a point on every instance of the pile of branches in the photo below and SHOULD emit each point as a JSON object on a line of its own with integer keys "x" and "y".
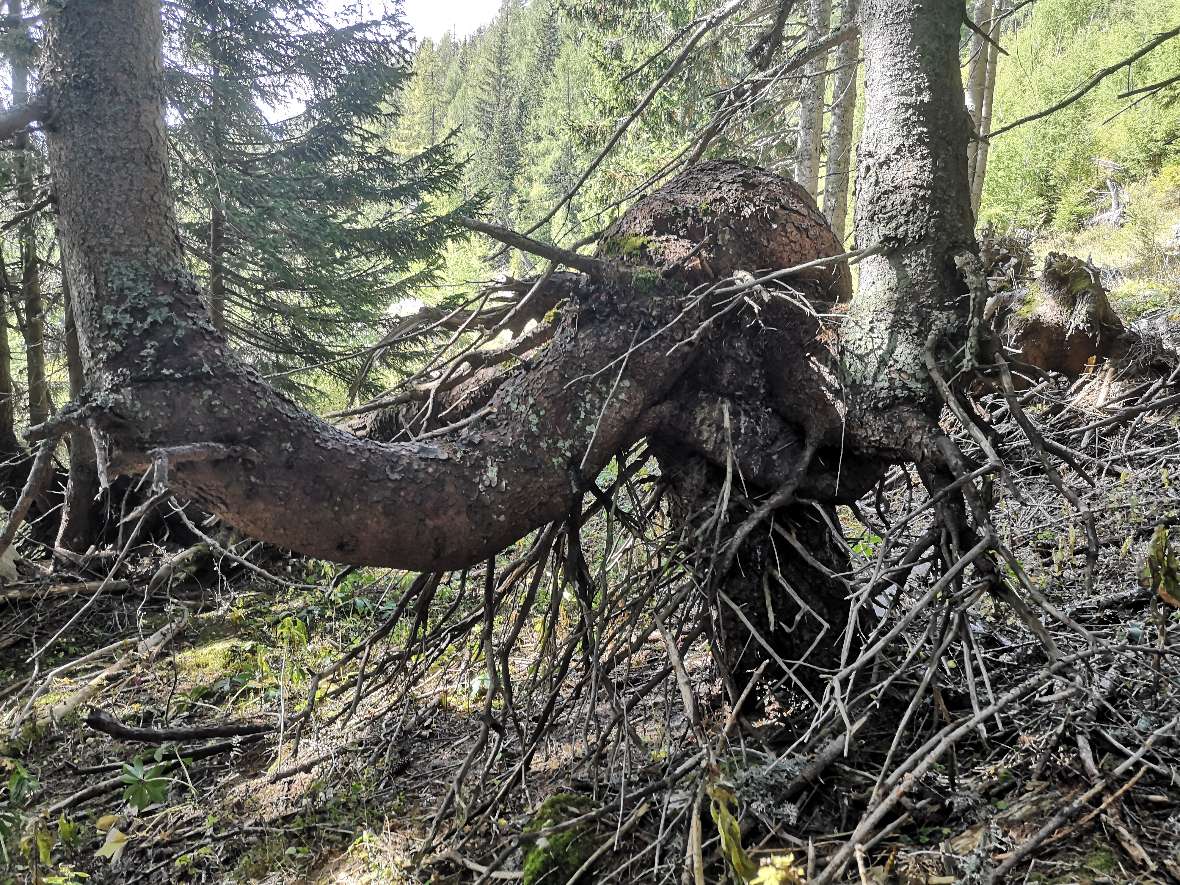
{"x": 957, "y": 732}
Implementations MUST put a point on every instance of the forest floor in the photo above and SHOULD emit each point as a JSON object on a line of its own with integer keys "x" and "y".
{"x": 622, "y": 764}
{"x": 354, "y": 800}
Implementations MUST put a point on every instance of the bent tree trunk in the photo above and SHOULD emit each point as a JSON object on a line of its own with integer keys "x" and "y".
{"x": 739, "y": 381}
{"x": 163, "y": 386}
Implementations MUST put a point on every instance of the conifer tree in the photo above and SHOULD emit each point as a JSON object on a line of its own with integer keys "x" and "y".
{"x": 499, "y": 115}
{"x": 300, "y": 218}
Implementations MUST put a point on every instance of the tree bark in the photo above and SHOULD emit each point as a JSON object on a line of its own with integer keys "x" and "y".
{"x": 79, "y": 517}
{"x": 34, "y": 326}
{"x": 913, "y": 202}
{"x": 811, "y": 100}
{"x": 979, "y": 171}
{"x": 840, "y": 131}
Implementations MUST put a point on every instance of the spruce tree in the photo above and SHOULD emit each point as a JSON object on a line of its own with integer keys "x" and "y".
{"x": 300, "y": 217}
{"x": 499, "y": 117}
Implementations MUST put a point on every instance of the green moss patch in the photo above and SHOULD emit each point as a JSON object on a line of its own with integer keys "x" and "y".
{"x": 556, "y": 857}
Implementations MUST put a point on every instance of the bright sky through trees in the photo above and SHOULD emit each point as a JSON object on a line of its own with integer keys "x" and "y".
{"x": 433, "y": 18}
{"x": 428, "y": 18}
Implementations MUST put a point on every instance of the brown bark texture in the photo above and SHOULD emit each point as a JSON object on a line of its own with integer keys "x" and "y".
{"x": 913, "y": 204}
{"x": 164, "y": 389}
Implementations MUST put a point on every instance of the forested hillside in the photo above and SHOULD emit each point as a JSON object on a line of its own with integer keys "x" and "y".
{"x": 636, "y": 441}
{"x": 531, "y": 99}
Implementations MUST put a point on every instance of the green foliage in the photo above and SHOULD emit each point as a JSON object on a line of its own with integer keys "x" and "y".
{"x": 867, "y": 544}
{"x": 1044, "y": 172}
{"x": 533, "y": 97}
{"x": 289, "y": 191}
{"x": 17, "y": 793}
{"x": 292, "y": 633}
{"x": 146, "y": 786}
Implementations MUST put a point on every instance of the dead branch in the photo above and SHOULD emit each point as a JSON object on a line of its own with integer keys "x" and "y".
{"x": 1093, "y": 81}
{"x": 101, "y": 720}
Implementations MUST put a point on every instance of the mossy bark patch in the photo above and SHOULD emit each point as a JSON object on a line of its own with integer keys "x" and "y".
{"x": 554, "y": 858}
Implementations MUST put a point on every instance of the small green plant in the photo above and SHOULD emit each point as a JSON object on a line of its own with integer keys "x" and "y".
{"x": 867, "y": 545}
{"x": 292, "y": 633}
{"x": 17, "y": 792}
{"x": 69, "y": 833}
{"x": 145, "y": 786}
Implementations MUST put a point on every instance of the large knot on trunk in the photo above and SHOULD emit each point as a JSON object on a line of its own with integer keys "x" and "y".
{"x": 723, "y": 217}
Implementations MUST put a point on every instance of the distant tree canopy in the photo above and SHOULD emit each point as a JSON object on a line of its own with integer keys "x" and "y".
{"x": 1044, "y": 172}
{"x": 534, "y": 95}
{"x": 566, "y": 74}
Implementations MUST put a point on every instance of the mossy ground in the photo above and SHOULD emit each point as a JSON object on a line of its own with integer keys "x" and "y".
{"x": 555, "y": 858}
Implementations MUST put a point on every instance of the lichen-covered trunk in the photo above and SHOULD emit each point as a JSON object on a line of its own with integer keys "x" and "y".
{"x": 846, "y": 64}
{"x": 913, "y": 203}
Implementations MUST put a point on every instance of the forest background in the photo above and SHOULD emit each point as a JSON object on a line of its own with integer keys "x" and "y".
{"x": 371, "y": 138}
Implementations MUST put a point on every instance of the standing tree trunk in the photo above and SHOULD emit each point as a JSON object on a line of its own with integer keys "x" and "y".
{"x": 12, "y": 454}
{"x": 811, "y": 100}
{"x": 840, "y": 132}
{"x": 913, "y": 202}
{"x": 79, "y": 518}
{"x": 34, "y": 326}
{"x": 978, "y": 172}
{"x": 981, "y": 15}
